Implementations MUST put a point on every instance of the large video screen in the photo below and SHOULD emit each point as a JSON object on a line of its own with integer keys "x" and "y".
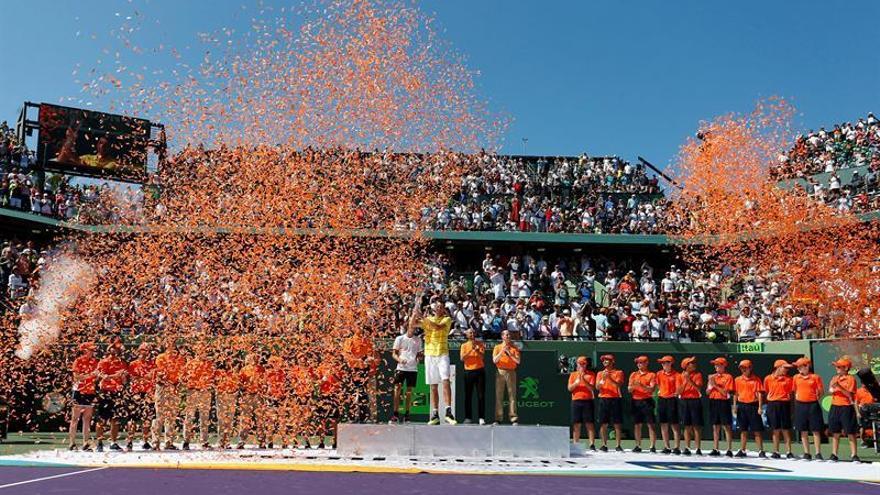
{"x": 92, "y": 142}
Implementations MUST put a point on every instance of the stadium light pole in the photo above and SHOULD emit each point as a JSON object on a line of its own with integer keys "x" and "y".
{"x": 525, "y": 141}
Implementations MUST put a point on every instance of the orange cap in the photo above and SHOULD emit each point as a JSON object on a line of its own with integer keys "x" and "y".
{"x": 86, "y": 346}
{"x": 803, "y": 362}
{"x": 607, "y": 357}
{"x": 781, "y": 362}
{"x": 666, "y": 359}
{"x": 745, "y": 363}
{"x": 686, "y": 361}
{"x": 720, "y": 360}
{"x": 641, "y": 359}
{"x": 842, "y": 363}
{"x": 582, "y": 360}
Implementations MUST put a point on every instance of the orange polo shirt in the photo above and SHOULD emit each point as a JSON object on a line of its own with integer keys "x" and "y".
{"x": 647, "y": 379}
{"x": 863, "y": 397}
{"x": 143, "y": 380}
{"x": 472, "y": 355}
{"x": 356, "y": 350}
{"x": 807, "y": 388}
{"x": 225, "y": 381}
{"x": 198, "y": 374}
{"x": 667, "y": 383}
{"x": 276, "y": 383}
{"x": 251, "y": 378}
{"x": 301, "y": 380}
{"x": 582, "y": 391}
{"x": 778, "y": 388}
{"x": 609, "y": 390}
{"x": 748, "y": 389}
{"x": 111, "y": 365}
{"x": 81, "y": 366}
{"x": 169, "y": 368}
{"x": 505, "y": 362}
{"x": 329, "y": 383}
{"x": 722, "y": 382}
{"x": 690, "y": 391}
{"x": 848, "y": 383}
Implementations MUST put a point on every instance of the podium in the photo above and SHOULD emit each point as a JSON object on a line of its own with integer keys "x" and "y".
{"x": 453, "y": 441}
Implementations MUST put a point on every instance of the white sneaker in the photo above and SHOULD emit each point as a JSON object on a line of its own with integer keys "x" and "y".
{"x": 482, "y": 421}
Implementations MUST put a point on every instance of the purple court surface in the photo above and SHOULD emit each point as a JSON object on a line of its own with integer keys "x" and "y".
{"x": 141, "y": 481}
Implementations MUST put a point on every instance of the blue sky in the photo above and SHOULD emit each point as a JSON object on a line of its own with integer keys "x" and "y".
{"x": 625, "y": 78}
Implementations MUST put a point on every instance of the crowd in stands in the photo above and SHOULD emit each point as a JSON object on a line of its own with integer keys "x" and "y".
{"x": 603, "y": 299}
{"x": 846, "y": 145}
{"x": 19, "y": 186}
{"x": 859, "y": 195}
{"x": 583, "y": 194}
{"x": 21, "y": 263}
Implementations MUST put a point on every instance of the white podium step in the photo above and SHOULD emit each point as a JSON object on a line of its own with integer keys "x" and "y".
{"x": 459, "y": 440}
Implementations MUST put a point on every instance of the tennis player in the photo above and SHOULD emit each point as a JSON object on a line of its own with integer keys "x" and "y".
{"x": 406, "y": 351}
{"x": 436, "y": 327}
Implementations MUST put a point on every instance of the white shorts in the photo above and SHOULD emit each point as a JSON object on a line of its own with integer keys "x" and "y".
{"x": 436, "y": 369}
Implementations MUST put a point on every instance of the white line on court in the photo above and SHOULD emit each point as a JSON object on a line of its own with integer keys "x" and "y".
{"x": 46, "y": 478}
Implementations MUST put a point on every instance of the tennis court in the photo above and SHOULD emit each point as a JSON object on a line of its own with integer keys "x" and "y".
{"x": 142, "y": 481}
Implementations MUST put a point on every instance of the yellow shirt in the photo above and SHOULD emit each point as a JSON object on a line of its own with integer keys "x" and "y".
{"x": 436, "y": 335}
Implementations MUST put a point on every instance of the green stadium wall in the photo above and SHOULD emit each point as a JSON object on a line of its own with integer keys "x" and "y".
{"x": 542, "y": 394}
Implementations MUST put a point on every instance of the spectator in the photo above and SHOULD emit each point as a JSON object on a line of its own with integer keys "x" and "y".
{"x": 506, "y": 356}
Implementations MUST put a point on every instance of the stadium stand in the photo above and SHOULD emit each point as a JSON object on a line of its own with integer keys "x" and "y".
{"x": 846, "y": 145}
{"x": 514, "y": 207}
{"x": 615, "y": 299}
{"x": 563, "y": 194}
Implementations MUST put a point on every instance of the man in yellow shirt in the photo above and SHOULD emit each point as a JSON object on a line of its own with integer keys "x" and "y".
{"x": 436, "y": 327}
{"x": 506, "y": 357}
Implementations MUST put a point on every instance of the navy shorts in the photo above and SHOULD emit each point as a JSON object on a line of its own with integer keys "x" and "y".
{"x": 690, "y": 412}
{"x": 748, "y": 418}
{"x": 408, "y": 378}
{"x": 667, "y": 410}
{"x": 84, "y": 400}
{"x": 842, "y": 419}
{"x": 779, "y": 415}
{"x": 643, "y": 411}
{"x": 582, "y": 411}
{"x": 720, "y": 412}
{"x": 610, "y": 411}
{"x": 808, "y": 416}
{"x": 108, "y": 403}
